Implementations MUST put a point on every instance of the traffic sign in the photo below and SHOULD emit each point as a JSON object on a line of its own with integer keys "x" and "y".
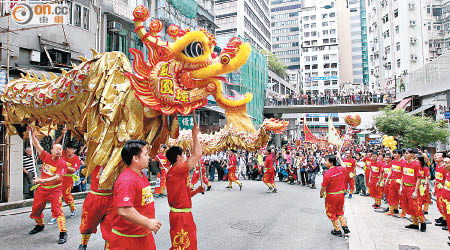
{"x": 186, "y": 122}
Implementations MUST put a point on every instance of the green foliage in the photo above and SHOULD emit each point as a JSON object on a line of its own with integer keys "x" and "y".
{"x": 412, "y": 131}
{"x": 275, "y": 64}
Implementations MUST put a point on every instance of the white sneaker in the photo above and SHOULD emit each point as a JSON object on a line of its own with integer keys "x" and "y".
{"x": 52, "y": 221}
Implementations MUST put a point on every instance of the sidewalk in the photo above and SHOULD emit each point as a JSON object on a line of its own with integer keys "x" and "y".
{"x": 372, "y": 230}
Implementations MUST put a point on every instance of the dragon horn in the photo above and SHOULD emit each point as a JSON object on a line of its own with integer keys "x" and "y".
{"x": 74, "y": 66}
{"x": 27, "y": 76}
{"x": 63, "y": 71}
{"x": 94, "y": 52}
{"x": 141, "y": 14}
{"x": 21, "y": 75}
{"x": 82, "y": 58}
{"x": 44, "y": 77}
{"x": 35, "y": 77}
{"x": 52, "y": 76}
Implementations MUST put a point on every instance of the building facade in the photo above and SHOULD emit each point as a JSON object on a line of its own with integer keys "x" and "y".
{"x": 398, "y": 41}
{"x": 320, "y": 52}
{"x": 249, "y": 19}
{"x": 359, "y": 44}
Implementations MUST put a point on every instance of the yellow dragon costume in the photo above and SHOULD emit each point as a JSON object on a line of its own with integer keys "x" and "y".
{"x": 103, "y": 101}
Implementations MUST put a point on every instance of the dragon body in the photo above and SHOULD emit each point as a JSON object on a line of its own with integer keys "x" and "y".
{"x": 104, "y": 102}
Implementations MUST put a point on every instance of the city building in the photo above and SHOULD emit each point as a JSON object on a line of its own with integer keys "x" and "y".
{"x": 359, "y": 45}
{"x": 397, "y": 39}
{"x": 249, "y": 19}
{"x": 286, "y": 31}
{"x": 286, "y": 37}
{"x": 319, "y": 43}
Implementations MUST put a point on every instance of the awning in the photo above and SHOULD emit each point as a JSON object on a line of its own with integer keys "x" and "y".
{"x": 363, "y": 133}
{"x": 403, "y": 103}
{"x": 220, "y": 110}
{"x": 423, "y": 108}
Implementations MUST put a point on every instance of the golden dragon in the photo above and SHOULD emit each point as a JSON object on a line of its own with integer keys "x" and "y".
{"x": 105, "y": 103}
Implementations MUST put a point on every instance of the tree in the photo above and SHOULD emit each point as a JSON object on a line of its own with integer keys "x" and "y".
{"x": 275, "y": 64}
{"x": 412, "y": 131}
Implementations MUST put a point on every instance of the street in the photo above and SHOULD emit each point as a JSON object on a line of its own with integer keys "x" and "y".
{"x": 294, "y": 218}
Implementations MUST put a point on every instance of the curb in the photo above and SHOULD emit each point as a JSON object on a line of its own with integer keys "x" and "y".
{"x": 29, "y": 202}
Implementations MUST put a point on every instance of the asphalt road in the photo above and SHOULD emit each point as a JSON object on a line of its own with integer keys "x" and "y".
{"x": 293, "y": 218}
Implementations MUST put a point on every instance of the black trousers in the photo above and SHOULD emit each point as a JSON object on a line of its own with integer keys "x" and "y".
{"x": 304, "y": 178}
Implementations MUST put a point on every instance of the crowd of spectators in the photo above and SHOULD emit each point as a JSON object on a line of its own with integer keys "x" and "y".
{"x": 273, "y": 99}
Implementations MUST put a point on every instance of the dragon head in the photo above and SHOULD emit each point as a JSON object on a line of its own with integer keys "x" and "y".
{"x": 179, "y": 76}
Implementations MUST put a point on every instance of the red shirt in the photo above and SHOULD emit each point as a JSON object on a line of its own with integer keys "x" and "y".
{"x": 269, "y": 163}
{"x": 397, "y": 169}
{"x": 233, "y": 160}
{"x": 425, "y": 172}
{"x": 386, "y": 168}
{"x": 333, "y": 179}
{"x": 197, "y": 167}
{"x": 179, "y": 187}
{"x": 95, "y": 179}
{"x": 51, "y": 168}
{"x": 446, "y": 190}
{"x": 440, "y": 174}
{"x": 368, "y": 162}
{"x": 411, "y": 172}
{"x": 350, "y": 165}
{"x": 375, "y": 170}
{"x": 73, "y": 162}
{"x": 163, "y": 160}
{"x": 132, "y": 190}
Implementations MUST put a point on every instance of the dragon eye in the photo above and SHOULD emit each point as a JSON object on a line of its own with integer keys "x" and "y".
{"x": 193, "y": 49}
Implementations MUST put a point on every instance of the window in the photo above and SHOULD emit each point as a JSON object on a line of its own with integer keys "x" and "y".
{"x": 324, "y": 16}
{"x": 333, "y": 31}
{"x": 313, "y": 17}
{"x": 395, "y": 13}
{"x": 397, "y": 29}
{"x": 314, "y": 33}
{"x": 306, "y": 26}
{"x": 314, "y": 58}
{"x": 70, "y": 4}
{"x": 326, "y": 57}
{"x": 398, "y": 46}
{"x": 324, "y": 24}
{"x": 327, "y": 83}
{"x": 398, "y": 63}
{"x": 332, "y": 14}
{"x": 326, "y": 40}
{"x": 325, "y": 32}
{"x": 307, "y": 58}
{"x": 86, "y": 18}
{"x": 334, "y": 81}
{"x": 313, "y": 25}
{"x": 77, "y": 15}
{"x": 305, "y": 18}
{"x": 332, "y": 40}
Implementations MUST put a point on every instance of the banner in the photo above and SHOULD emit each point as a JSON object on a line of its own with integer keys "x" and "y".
{"x": 309, "y": 137}
{"x": 333, "y": 135}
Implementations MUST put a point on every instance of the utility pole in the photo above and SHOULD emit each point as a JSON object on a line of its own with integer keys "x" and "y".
{"x": 7, "y": 48}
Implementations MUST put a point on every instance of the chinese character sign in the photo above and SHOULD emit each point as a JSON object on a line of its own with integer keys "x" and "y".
{"x": 186, "y": 122}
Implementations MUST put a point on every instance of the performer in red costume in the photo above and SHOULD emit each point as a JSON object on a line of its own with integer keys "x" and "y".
{"x": 183, "y": 231}
{"x": 395, "y": 180}
{"x": 97, "y": 209}
{"x": 134, "y": 207}
{"x": 232, "y": 170}
{"x": 410, "y": 190}
{"x": 165, "y": 166}
{"x": 196, "y": 176}
{"x": 50, "y": 188}
{"x": 440, "y": 158}
{"x": 350, "y": 173}
{"x": 333, "y": 189}
{"x": 73, "y": 164}
{"x": 269, "y": 172}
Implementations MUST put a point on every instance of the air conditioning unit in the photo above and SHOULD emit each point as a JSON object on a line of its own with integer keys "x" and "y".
{"x": 413, "y": 40}
{"x": 440, "y": 32}
{"x": 412, "y": 5}
{"x": 412, "y": 23}
{"x": 439, "y": 51}
{"x": 385, "y": 57}
{"x": 385, "y": 65}
{"x": 413, "y": 58}
{"x": 114, "y": 26}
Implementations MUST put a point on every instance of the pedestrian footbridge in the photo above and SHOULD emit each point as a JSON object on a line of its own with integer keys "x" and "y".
{"x": 336, "y": 108}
